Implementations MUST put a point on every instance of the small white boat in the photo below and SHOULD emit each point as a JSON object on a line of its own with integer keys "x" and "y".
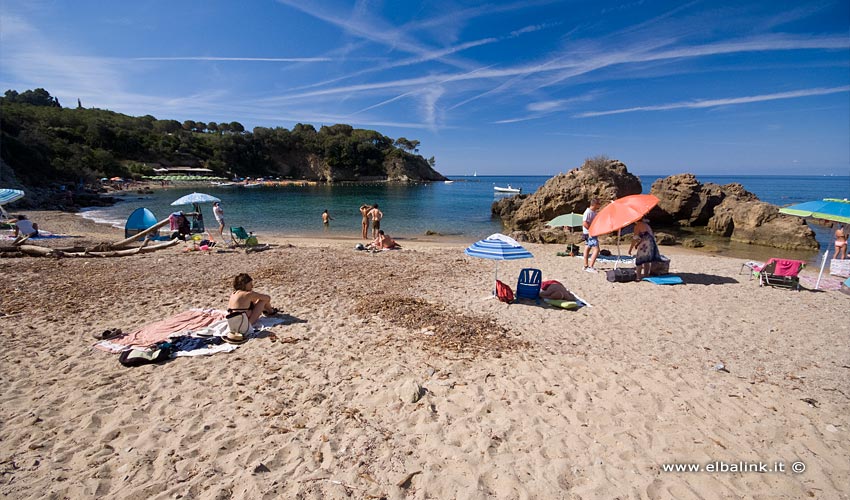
{"x": 508, "y": 189}
{"x": 253, "y": 185}
{"x": 448, "y": 182}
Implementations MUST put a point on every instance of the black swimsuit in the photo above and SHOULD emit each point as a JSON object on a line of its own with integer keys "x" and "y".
{"x": 241, "y": 310}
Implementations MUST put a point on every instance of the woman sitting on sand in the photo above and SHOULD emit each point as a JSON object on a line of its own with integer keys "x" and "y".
{"x": 245, "y": 300}
{"x": 646, "y": 250}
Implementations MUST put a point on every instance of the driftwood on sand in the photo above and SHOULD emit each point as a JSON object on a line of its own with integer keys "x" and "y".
{"x": 118, "y": 249}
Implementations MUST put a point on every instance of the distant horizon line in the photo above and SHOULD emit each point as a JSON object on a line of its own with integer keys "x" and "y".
{"x": 656, "y": 175}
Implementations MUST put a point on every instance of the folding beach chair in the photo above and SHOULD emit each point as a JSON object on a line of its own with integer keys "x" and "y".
{"x": 528, "y": 284}
{"x": 782, "y": 273}
{"x": 242, "y": 237}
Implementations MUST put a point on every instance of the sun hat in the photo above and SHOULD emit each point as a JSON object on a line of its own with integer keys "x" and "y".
{"x": 234, "y": 338}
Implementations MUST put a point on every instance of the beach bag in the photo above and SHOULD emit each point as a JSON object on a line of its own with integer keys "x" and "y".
{"x": 138, "y": 357}
{"x": 237, "y": 322}
{"x": 621, "y": 275}
{"x": 504, "y": 292}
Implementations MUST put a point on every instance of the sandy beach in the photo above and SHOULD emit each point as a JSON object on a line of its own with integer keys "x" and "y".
{"x": 517, "y": 401}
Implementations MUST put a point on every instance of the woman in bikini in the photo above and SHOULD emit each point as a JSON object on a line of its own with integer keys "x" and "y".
{"x": 364, "y": 211}
{"x": 244, "y": 299}
{"x": 840, "y": 243}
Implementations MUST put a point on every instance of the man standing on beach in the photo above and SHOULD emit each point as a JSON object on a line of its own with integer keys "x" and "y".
{"x": 376, "y": 216}
{"x": 591, "y": 243}
{"x": 218, "y": 212}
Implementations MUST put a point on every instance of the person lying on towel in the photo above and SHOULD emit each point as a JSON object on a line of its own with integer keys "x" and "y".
{"x": 245, "y": 300}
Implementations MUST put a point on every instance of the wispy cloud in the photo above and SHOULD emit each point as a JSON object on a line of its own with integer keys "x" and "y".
{"x": 572, "y": 66}
{"x": 712, "y": 103}
{"x": 245, "y": 59}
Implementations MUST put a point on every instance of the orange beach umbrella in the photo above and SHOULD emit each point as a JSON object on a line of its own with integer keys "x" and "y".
{"x": 622, "y": 212}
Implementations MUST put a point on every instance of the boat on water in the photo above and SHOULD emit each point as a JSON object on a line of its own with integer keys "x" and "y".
{"x": 508, "y": 189}
{"x": 253, "y": 184}
{"x": 448, "y": 182}
{"x": 222, "y": 184}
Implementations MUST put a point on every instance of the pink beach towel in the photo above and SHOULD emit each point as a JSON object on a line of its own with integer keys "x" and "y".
{"x": 787, "y": 267}
{"x": 159, "y": 331}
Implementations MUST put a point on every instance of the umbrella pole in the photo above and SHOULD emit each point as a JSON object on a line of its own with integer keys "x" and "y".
{"x": 617, "y": 262}
{"x": 496, "y": 278}
{"x": 822, "y": 265}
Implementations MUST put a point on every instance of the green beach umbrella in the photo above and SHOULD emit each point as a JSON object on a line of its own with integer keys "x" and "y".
{"x": 566, "y": 220}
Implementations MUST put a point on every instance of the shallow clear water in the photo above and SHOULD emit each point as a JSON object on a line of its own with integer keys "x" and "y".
{"x": 460, "y": 210}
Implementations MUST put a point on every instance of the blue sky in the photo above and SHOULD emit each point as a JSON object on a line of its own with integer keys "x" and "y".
{"x": 525, "y": 87}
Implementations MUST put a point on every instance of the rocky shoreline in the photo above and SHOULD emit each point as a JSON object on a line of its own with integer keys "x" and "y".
{"x": 685, "y": 203}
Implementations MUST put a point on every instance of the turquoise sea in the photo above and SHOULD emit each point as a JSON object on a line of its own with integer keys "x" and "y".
{"x": 460, "y": 210}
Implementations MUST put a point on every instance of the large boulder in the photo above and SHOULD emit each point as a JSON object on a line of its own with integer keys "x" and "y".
{"x": 760, "y": 223}
{"x": 684, "y": 201}
{"x": 565, "y": 193}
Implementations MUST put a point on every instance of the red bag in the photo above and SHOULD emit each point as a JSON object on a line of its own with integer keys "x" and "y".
{"x": 504, "y": 292}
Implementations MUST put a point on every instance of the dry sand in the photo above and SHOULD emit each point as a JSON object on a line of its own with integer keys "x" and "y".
{"x": 519, "y": 401}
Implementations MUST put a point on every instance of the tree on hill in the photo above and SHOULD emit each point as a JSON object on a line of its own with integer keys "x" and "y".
{"x": 37, "y": 97}
{"x": 44, "y": 143}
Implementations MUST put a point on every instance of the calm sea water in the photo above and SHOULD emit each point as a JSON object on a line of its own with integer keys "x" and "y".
{"x": 460, "y": 210}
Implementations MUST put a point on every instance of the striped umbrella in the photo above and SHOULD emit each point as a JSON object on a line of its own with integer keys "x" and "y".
{"x": 10, "y": 195}
{"x": 498, "y": 247}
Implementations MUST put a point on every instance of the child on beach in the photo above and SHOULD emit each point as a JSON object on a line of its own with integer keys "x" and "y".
{"x": 591, "y": 243}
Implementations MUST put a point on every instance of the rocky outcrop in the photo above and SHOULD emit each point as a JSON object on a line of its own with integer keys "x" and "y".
{"x": 760, "y": 223}
{"x": 410, "y": 168}
{"x": 728, "y": 210}
{"x": 684, "y": 201}
{"x": 565, "y": 193}
{"x": 395, "y": 168}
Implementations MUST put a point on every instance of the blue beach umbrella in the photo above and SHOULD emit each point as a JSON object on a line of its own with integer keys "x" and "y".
{"x": 828, "y": 209}
{"x": 832, "y": 209}
{"x": 498, "y": 247}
